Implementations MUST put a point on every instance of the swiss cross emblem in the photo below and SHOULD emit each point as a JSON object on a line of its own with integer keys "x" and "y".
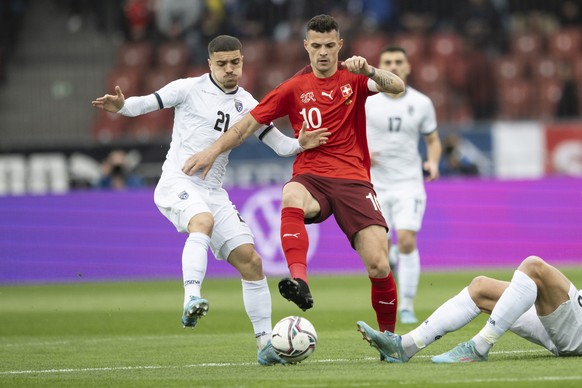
{"x": 346, "y": 90}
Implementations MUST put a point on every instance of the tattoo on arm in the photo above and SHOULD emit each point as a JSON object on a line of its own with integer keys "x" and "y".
{"x": 385, "y": 80}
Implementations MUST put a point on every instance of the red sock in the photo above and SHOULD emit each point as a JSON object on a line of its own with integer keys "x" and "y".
{"x": 385, "y": 302}
{"x": 294, "y": 241}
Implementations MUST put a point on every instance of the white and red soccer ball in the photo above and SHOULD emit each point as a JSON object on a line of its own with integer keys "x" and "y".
{"x": 294, "y": 339}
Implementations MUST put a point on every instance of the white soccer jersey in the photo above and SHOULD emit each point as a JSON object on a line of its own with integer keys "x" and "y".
{"x": 202, "y": 113}
{"x": 394, "y": 126}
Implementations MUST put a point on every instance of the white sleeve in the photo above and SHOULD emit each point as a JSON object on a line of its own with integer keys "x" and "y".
{"x": 135, "y": 106}
{"x": 281, "y": 144}
{"x": 372, "y": 85}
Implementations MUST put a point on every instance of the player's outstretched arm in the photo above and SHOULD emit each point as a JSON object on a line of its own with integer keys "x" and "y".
{"x": 385, "y": 80}
{"x": 233, "y": 137}
{"x": 110, "y": 102}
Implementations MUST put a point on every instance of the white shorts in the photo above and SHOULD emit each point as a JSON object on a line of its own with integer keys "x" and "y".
{"x": 180, "y": 199}
{"x": 560, "y": 332}
{"x": 403, "y": 210}
{"x": 564, "y": 325}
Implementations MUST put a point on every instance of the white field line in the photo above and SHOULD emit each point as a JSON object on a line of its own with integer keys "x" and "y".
{"x": 230, "y": 364}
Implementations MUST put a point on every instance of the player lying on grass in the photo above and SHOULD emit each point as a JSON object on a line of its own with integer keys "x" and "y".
{"x": 539, "y": 304}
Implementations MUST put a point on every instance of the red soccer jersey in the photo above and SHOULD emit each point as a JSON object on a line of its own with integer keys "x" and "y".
{"x": 336, "y": 103}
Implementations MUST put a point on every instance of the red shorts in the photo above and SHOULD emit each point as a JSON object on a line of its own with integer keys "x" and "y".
{"x": 352, "y": 202}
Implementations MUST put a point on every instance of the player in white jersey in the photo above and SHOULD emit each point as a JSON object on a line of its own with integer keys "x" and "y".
{"x": 204, "y": 107}
{"x": 539, "y": 304}
{"x": 394, "y": 125}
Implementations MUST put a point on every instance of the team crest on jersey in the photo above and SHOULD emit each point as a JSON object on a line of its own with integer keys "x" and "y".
{"x": 410, "y": 110}
{"x": 238, "y": 105}
{"x": 347, "y": 90}
{"x": 183, "y": 195}
{"x": 306, "y": 97}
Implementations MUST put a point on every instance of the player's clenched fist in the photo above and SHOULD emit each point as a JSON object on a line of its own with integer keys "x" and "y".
{"x": 358, "y": 65}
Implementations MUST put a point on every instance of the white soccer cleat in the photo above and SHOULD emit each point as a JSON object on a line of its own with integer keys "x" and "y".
{"x": 195, "y": 309}
{"x": 463, "y": 352}
{"x": 388, "y": 344}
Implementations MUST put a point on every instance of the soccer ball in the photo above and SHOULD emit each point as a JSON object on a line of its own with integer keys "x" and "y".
{"x": 294, "y": 339}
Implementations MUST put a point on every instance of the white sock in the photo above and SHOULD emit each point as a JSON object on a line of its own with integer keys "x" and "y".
{"x": 450, "y": 316}
{"x": 393, "y": 255}
{"x": 257, "y": 301}
{"x": 194, "y": 262}
{"x": 408, "y": 274}
{"x": 515, "y": 300}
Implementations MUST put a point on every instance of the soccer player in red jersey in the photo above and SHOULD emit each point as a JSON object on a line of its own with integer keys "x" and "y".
{"x": 333, "y": 178}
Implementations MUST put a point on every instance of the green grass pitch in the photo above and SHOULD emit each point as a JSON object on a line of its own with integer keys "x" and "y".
{"x": 129, "y": 335}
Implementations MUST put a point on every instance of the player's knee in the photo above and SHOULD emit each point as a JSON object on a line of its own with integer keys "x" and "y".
{"x": 533, "y": 266}
{"x": 248, "y": 262}
{"x": 202, "y": 222}
{"x": 406, "y": 241}
{"x": 478, "y": 284}
{"x": 478, "y": 289}
{"x": 406, "y": 246}
{"x": 378, "y": 268}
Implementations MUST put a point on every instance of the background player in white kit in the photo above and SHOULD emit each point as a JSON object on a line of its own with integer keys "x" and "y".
{"x": 539, "y": 304}
{"x": 204, "y": 107}
{"x": 394, "y": 126}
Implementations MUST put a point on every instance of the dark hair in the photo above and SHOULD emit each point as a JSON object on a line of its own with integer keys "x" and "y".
{"x": 224, "y": 43}
{"x": 394, "y": 49}
{"x": 322, "y": 23}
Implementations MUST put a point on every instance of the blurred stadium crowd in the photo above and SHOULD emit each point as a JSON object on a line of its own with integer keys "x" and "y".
{"x": 484, "y": 63}
{"x": 477, "y": 59}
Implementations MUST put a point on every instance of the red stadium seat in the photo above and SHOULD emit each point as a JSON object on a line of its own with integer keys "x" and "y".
{"x": 440, "y": 97}
{"x": 151, "y": 126}
{"x": 250, "y": 79}
{"x": 428, "y": 75}
{"x": 290, "y": 51}
{"x": 173, "y": 56}
{"x": 272, "y": 77}
{"x": 549, "y": 92}
{"x": 526, "y": 44}
{"x": 128, "y": 80}
{"x": 510, "y": 68}
{"x": 515, "y": 100}
{"x": 136, "y": 56}
{"x": 445, "y": 45}
{"x": 109, "y": 127}
{"x": 197, "y": 71}
{"x": 413, "y": 44}
{"x": 544, "y": 69}
{"x": 255, "y": 51}
{"x": 456, "y": 69}
{"x": 565, "y": 43}
{"x": 369, "y": 46}
{"x": 155, "y": 79}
